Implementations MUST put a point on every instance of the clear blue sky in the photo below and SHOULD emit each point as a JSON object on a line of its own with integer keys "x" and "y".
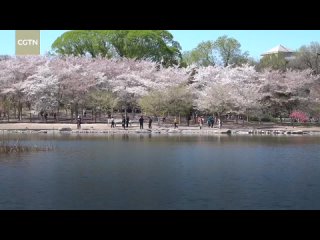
{"x": 253, "y": 41}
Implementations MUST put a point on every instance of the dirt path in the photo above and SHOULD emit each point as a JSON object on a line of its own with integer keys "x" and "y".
{"x": 57, "y": 126}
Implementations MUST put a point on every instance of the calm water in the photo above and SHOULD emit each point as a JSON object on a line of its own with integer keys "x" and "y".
{"x": 163, "y": 172}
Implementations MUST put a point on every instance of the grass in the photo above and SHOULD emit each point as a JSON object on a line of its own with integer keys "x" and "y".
{"x": 17, "y": 147}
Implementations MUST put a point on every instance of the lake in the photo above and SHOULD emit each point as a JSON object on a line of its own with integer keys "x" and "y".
{"x": 162, "y": 172}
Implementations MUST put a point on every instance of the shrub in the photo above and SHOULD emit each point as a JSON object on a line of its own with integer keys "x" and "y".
{"x": 299, "y": 116}
{"x": 266, "y": 119}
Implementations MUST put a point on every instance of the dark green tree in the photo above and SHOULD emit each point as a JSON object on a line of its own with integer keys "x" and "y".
{"x": 154, "y": 45}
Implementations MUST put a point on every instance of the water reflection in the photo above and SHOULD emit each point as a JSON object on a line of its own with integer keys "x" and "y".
{"x": 149, "y": 171}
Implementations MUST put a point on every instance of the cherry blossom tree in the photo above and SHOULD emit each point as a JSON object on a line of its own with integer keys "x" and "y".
{"x": 14, "y": 72}
{"x": 282, "y": 92}
{"x": 226, "y": 89}
{"x": 75, "y": 83}
{"x": 41, "y": 89}
{"x": 313, "y": 105}
{"x": 130, "y": 80}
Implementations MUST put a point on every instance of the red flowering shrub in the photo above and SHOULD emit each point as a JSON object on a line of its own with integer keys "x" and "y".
{"x": 299, "y": 116}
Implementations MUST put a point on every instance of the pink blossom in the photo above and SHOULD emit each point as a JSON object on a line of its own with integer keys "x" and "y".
{"x": 299, "y": 116}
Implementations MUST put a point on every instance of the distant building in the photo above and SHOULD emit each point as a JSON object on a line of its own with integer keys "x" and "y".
{"x": 278, "y": 51}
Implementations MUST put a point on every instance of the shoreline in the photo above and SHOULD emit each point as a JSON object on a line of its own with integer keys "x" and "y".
{"x": 184, "y": 130}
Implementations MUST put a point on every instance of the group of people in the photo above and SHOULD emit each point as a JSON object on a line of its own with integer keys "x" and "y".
{"x": 141, "y": 120}
{"x": 126, "y": 121}
{"x": 210, "y": 121}
{"x": 44, "y": 115}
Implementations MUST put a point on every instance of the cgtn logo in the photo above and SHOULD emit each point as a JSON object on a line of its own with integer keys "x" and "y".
{"x": 28, "y": 42}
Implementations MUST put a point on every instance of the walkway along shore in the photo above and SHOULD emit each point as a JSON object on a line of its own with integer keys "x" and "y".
{"x": 106, "y": 129}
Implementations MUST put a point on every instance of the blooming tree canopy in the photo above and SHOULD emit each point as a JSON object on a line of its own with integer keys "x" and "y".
{"x": 75, "y": 83}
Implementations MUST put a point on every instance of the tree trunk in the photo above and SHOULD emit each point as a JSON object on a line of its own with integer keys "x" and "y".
{"x": 57, "y": 114}
{"x": 20, "y": 111}
{"x": 76, "y": 109}
{"x": 247, "y": 116}
{"x": 179, "y": 119}
{"x": 71, "y": 113}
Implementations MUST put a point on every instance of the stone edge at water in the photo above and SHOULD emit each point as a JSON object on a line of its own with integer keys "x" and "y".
{"x": 168, "y": 131}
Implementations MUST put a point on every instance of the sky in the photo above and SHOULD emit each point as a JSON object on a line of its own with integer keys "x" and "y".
{"x": 255, "y": 42}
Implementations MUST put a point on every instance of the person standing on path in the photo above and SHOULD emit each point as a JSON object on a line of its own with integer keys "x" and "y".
{"x": 112, "y": 122}
{"x": 141, "y": 122}
{"x": 127, "y": 121}
{"x": 150, "y": 122}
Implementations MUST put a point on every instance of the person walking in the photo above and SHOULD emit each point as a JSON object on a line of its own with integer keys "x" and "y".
{"x": 200, "y": 121}
{"x": 150, "y": 122}
{"x": 78, "y": 122}
{"x": 209, "y": 121}
{"x": 188, "y": 119}
{"x": 141, "y": 122}
{"x": 219, "y": 123}
{"x": 175, "y": 123}
{"x": 212, "y": 121}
